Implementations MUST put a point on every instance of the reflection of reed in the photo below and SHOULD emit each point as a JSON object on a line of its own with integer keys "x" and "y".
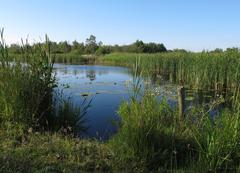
{"x": 103, "y": 72}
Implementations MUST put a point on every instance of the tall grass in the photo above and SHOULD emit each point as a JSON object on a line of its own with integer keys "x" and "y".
{"x": 69, "y": 118}
{"x": 218, "y": 71}
{"x": 73, "y": 58}
{"x": 150, "y": 137}
{"x": 219, "y": 141}
{"x": 26, "y": 89}
{"x": 26, "y": 93}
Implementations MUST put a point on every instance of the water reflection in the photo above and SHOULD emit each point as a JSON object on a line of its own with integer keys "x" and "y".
{"x": 91, "y": 74}
{"x": 106, "y": 87}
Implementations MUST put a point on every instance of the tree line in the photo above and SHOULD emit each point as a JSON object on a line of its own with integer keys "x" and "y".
{"x": 91, "y": 46}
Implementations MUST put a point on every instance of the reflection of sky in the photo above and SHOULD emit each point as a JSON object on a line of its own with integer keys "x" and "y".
{"x": 107, "y": 88}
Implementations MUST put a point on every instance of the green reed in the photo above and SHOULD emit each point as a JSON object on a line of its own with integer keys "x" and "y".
{"x": 150, "y": 137}
{"x": 215, "y": 71}
{"x": 26, "y": 89}
{"x": 27, "y": 93}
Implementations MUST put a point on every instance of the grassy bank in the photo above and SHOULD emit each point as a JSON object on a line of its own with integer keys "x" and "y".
{"x": 52, "y": 153}
{"x": 150, "y": 140}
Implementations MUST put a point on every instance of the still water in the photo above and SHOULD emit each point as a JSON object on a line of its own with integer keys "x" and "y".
{"x": 105, "y": 86}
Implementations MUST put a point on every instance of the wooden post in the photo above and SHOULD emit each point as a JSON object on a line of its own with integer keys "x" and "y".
{"x": 181, "y": 102}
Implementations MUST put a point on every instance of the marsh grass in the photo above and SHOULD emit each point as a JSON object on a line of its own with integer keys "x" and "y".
{"x": 218, "y": 141}
{"x": 151, "y": 139}
{"x": 26, "y": 89}
{"x": 73, "y": 58}
{"x": 210, "y": 71}
{"x": 27, "y": 93}
{"x": 69, "y": 118}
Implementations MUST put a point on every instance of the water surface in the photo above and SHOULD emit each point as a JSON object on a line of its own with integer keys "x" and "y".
{"x": 105, "y": 86}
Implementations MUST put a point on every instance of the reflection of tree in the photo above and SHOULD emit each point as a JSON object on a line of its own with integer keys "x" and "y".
{"x": 75, "y": 72}
{"x": 65, "y": 71}
{"x": 102, "y": 72}
{"x": 91, "y": 74}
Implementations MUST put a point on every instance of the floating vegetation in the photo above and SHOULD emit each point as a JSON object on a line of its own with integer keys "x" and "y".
{"x": 189, "y": 98}
{"x": 66, "y": 85}
{"x": 86, "y": 94}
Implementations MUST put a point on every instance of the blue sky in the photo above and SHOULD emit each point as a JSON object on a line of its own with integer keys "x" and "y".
{"x": 190, "y": 24}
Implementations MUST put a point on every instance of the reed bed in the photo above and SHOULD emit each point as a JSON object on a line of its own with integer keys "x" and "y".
{"x": 27, "y": 101}
{"x": 150, "y": 138}
{"x": 210, "y": 71}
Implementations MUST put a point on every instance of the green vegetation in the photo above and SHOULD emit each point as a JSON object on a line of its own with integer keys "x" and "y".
{"x": 206, "y": 70}
{"x": 65, "y": 51}
{"x": 152, "y": 138}
{"x": 52, "y": 153}
{"x": 151, "y": 132}
{"x": 149, "y": 135}
{"x": 26, "y": 93}
{"x": 38, "y": 134}
{"x": 26, "y": 90}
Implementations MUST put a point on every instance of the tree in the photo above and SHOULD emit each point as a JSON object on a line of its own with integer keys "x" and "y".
{"x": 77, "y": 47}
{"x": 91, "y": 45}
{"x": 54, "y": 47}
{"x": 141, "y": 47}
{"x": 64, "y": 47}
{"x": 138, "y": 46}
{"x": 154, "y": 48}
{"x": 103, "y": 50}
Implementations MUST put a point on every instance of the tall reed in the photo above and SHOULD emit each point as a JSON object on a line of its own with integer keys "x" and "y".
{"x": 211, "y": 71}
{"x": 26, "y": 88}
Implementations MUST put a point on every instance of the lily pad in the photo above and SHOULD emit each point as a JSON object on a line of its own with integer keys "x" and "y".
{"x": 189, "y": 98}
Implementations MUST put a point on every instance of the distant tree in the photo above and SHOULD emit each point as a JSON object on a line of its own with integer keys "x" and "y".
{"x": 180, "y": 50}
{"x": 54, "y": 47}
{"x": 91, "y": 45}
{"x": 217, "y": 50}
{"x": 14, "y": 48}
{"x": 154, "y": 48}
{"x": 64, "y": 47}
{"x": 138, "y": 46}
{"x": 100, "y": 43}
{"x": 233, "y": 50}
{"x": 103, "y": 50}
{"x": 77, "y": 47}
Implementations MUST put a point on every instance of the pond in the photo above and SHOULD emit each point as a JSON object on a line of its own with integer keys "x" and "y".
{"x": 105, "y": 87}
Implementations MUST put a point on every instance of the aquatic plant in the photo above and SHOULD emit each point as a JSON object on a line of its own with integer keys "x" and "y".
{"x": 26, "y": 89}
{"x": 69, "y": 118}
{"x": 210, "y": 71}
